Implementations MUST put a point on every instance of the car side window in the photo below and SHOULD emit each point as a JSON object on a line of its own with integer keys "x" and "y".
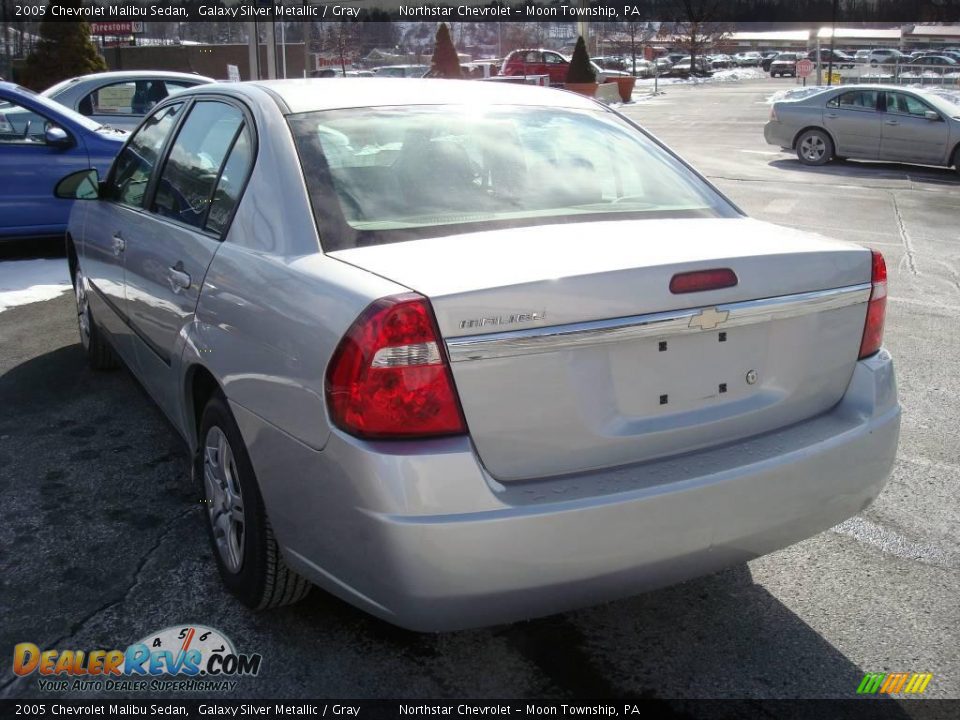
{"x": 903, "y": 104}
{"x": 231, "y": 182}
{"x": 553, "y": 59}
{"x": 19, "y": 126}
{"x": 187, "y": 182}
{"x": 855, "y": 100}
{"x": 139, "y": 156}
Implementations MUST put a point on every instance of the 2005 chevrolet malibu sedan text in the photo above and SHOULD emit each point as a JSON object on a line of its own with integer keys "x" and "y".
{"x": 463, "y": 353}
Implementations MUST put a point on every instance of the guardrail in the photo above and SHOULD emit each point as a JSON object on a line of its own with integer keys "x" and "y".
{"x": 902, "y": 74}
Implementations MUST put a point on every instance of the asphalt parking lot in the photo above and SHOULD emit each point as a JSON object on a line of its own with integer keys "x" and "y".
{"x": 103, "y": 542}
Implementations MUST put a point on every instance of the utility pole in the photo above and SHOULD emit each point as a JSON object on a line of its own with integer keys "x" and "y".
{"x": 583, "y": 26}
{"x": 253, "y": 47}
{"x": 833, "y": 37}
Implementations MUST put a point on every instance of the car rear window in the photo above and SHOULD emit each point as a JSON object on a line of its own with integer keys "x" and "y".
{"x": 388, "y": 174}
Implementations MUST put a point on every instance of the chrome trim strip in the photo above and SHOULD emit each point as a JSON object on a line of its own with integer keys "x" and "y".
{"x": 675, "y": 322}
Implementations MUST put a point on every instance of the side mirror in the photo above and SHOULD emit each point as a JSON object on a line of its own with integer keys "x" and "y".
{"x": 56, "y": 136}
{"x": 80, "y": 185}
{"x": 931, "y": 115}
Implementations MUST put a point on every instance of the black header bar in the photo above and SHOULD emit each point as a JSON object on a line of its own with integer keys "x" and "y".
{"x": 709, "y": 11}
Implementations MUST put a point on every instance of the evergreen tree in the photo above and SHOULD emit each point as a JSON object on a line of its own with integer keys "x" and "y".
{"x": 63, "y": 51}
{"x": 580, "y": 70}
{"x": 445, "y": 63}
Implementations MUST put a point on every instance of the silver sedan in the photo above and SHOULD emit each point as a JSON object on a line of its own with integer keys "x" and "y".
{"x": 121, "y": 98}
{"x": 868, "y": 122}
{"x": 431, "y": 352}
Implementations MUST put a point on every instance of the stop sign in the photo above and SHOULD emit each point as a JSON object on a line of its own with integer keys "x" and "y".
{"x": 804, "y": 68}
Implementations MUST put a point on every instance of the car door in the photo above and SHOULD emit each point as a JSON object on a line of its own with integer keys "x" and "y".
{"x": 119, "y": 215}
{"x": 854, "y": 121}
{"x": 908, "y": 135}
{"x": 30, "y": 168}
{"x": 165, "y": 262}
{"x": 555, "y": 66}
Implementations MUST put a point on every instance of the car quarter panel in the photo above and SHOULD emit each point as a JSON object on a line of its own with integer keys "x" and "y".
{"x": 273, "y": 308}
{"x": 792, "y": 117}
{"x": 266, "y": 327}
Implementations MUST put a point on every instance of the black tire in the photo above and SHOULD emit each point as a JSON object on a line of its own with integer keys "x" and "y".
{"x": 956, "y": 159}
{"x": 262, "y": 579}
{"x": 814, "y": 147}
{"x": 100, "y": 355}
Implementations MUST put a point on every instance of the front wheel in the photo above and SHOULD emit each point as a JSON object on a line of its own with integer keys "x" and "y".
{"x": 246, "y": 551}
{"x": 814, "y": 147}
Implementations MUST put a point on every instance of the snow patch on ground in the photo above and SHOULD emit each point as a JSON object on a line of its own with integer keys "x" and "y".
{"x": 719, "y": 76}
{"x": 29, "y": 281}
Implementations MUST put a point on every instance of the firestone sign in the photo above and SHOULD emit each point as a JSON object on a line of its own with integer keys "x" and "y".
{"x": 116, "y": 28}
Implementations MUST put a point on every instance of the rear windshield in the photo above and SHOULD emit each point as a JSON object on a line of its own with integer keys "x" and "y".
{"x": 389, "y": 174}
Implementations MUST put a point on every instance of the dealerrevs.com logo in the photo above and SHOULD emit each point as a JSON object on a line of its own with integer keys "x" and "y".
{"x": 178, "y": 658}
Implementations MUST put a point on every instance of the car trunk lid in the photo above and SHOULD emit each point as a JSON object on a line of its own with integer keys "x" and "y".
{"x": 570, "y": 352}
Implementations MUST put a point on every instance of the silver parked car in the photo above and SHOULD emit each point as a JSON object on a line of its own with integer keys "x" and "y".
{"x": 430, "y": 352}
{"x": 121, "y": 98}
{"x": 868, "y": 122}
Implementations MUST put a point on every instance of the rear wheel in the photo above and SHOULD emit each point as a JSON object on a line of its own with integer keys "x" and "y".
{"x": 247, "y": 553}
{"x": 98, "y": 351}
{"x": 814, "y": 147}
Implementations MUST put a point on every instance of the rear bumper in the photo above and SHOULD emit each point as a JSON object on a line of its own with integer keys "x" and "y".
{"x": 777, "y": 133}
{"x": 420, "y": 535}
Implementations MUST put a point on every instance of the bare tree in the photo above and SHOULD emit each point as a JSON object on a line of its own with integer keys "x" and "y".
{"x": 698, "y": 28}
{"x": 630, "y": 39}
{"x": 340, "y": 40}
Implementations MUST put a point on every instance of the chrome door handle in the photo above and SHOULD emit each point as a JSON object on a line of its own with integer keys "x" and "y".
{"x": 832, "y": 115}
{"x": 179, "y": 280}
{"x": 119, "y": 245}
{"x": 892, "y": 122}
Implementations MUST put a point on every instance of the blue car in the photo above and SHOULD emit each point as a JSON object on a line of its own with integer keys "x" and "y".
{"x": 40, "y": 142}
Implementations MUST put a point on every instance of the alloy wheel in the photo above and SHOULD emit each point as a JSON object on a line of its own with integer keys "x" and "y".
{"x": 224, "y": 498}
{"x": 813, "y": 148}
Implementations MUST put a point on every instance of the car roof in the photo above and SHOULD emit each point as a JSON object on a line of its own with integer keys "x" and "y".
{"x": 308, "y": 95}
{"x": 14, "y": 88}
{"x": 127, "y": 74}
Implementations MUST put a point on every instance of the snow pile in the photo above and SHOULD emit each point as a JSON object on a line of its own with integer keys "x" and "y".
{"x": 29, "y": 281}
{"x": 802, "y": 92}
{"x": 951, "y": 95}
{"x": 797, "y": 93}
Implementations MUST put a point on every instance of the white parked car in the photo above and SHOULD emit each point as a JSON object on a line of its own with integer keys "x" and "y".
{"x": 121, "y": 98}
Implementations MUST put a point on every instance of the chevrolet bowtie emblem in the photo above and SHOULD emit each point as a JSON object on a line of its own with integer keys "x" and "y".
{"x": 708, "y": 319}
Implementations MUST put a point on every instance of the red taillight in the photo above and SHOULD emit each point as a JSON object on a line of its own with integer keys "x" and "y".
{"x": 876, "y": 308}
{"x": 389, "y": 376}
{"x": 701, "y": 280}
{"x": 773, "y": 114}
